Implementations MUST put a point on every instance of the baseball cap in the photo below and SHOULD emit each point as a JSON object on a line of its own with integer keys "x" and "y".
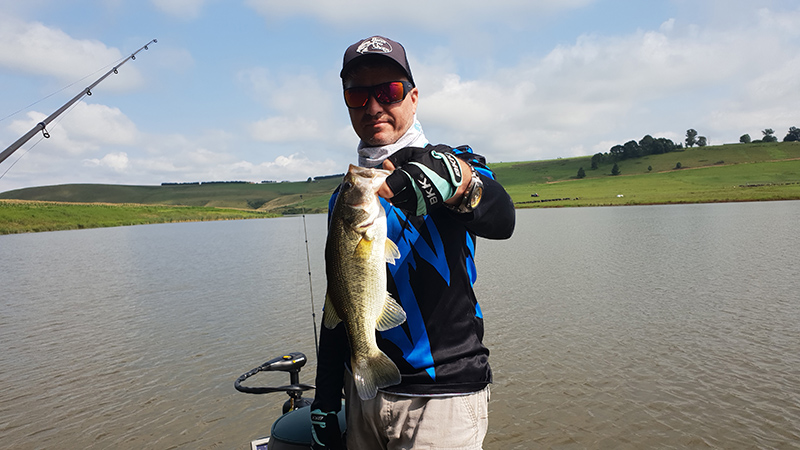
{"x": 376, "y": 46}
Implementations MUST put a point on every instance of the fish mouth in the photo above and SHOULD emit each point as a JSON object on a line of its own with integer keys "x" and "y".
{"x": 368, "y": 221}
{"x": 357, "y": 204}
{"x": 365, "y": 225}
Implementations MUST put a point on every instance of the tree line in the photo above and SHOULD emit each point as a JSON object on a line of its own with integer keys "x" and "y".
{"x": 649, "y": 145}
{"x": 769, "y": 136}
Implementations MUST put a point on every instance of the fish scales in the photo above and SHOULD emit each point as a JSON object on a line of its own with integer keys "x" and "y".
{"x": 356, "y": 253}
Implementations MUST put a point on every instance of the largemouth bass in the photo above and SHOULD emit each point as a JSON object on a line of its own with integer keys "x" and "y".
{"x": 356, "y": 254}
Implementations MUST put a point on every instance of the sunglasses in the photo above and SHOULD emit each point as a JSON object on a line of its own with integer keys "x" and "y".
{"x": 384, "y": 93}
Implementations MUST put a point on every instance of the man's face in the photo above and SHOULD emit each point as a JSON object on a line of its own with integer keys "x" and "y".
{"x": 375, "y": 123}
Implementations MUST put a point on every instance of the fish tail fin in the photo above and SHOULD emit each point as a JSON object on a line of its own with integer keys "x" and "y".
{"x": 372, "y": 372}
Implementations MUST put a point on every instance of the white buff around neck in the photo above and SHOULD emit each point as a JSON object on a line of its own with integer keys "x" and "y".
{"x": 374, "y": 156}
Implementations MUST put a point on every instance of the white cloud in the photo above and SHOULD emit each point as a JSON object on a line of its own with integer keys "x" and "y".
{"x": 604, "y": 89}
{"x": 292, "y": 167}
{"x": 201, "y": 164}
{"x": 100, "y": 124}
{"x": 115, "y": 161}
{"x": 34, "y": 48}
{"x": 83, "y": 128}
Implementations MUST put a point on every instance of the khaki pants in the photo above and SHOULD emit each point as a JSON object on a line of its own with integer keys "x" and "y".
{"x": 395, "y": 422}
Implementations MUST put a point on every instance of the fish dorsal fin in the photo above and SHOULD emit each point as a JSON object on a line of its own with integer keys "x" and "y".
{"x": 329, "y": 317}
{"x": 392, "y": 253}
{"x": 391, "y": 316}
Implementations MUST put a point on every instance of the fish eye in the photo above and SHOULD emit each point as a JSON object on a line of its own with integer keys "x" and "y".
{"x": 347, "y": 185}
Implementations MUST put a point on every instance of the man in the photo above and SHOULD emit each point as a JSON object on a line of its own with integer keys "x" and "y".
{"x": 437, "y": 200}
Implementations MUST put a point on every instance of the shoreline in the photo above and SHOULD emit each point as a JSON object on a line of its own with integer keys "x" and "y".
{"x": 77, "y": 219}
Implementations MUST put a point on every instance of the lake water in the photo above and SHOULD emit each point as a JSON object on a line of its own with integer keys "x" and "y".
{"x": 618, "y": 327}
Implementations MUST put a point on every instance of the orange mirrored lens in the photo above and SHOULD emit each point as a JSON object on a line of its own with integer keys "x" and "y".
{"x": 356, "y": 97}
{"x": 385, "y": 93}
{"x": 389, "y": 92}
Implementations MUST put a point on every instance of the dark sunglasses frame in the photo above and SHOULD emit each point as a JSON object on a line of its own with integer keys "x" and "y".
{"x": 380, "y": 92}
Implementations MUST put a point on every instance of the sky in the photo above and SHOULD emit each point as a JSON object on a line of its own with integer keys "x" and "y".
{"x": 249, "y": 90}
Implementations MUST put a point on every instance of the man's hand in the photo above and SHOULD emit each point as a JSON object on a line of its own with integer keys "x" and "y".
{"x": 325, "y": 432}
{"x": 424, "y": 179}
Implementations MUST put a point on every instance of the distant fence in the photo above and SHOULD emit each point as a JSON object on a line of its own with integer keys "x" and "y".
{"x": 197, "y": 183}
{"x": 547, "y": 200}
{"x": 750, "y": 185}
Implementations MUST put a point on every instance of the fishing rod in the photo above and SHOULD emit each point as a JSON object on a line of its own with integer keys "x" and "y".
{"x": 42, "y": 126}
{"x": 310, "y": 284}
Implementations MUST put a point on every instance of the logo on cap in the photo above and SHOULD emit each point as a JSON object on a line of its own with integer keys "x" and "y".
{"x": 374, "y": 45}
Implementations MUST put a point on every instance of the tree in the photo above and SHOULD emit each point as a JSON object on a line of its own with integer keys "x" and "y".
{"x": 649, "y": 168}
{"x": 647, "y": 144}
{"x": 631, "y": 149}
{"x": 691, "y": 137}
{"x": 597, "y": 158}
{"x": 769, "y": 135}
{"x": 615, "y": 170}
{"x": 581, "y": 173}
{"x": 678, "y": 166}
{"x": 617, "y": 151}
{"x": 793, "y": 136}
{"x": 663, "y": 145}
{"x": 745, "y": 139}
{"x": 702, "y": 141}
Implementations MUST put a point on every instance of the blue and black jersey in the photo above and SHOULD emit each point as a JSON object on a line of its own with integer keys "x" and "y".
{"x": 439, "y": 349}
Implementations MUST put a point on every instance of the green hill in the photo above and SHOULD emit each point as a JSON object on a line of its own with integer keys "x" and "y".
{"x": 282, "y": 198}
{"x": 732, "y": 172}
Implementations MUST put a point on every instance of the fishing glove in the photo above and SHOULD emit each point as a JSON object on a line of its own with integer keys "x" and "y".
{"x": 325, "y": 432}
{"x": 424, "y": 178}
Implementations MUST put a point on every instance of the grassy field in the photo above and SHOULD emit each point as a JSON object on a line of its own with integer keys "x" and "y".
{"x": 735, "y": 172}
{"x": 280, "y": 198}
{"x": 21, "y": 216}
{"x": 725, "y": 173}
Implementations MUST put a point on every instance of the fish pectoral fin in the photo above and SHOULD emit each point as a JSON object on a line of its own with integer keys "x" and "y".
{"x": 329, "y": 317}
{"x": 392, "y": 253}
{"x": 363, "y": 248}
{"x": 391, "y": 316}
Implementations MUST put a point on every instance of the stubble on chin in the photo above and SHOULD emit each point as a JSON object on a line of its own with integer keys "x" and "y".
{"x": 377, "y": 139}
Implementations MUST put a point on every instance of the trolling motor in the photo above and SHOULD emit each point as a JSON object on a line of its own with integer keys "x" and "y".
{"x": 291, "y": 363}
{"x": 292, "y": 430}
